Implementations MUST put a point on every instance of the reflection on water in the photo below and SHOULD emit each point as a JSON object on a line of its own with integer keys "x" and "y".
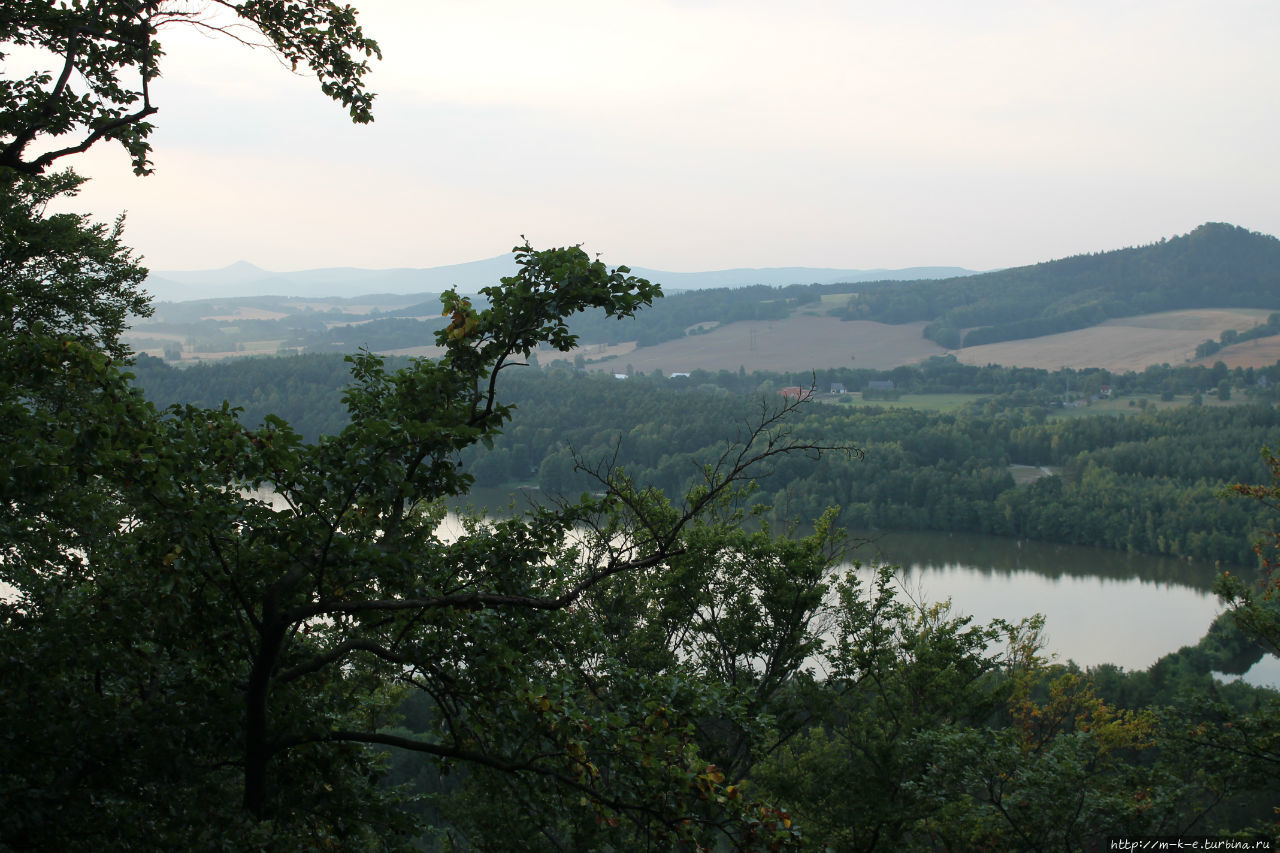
{"x": 1100, "y": 606}
{"x": 1130, "y": 623}
{"x": 1002, "y": 556}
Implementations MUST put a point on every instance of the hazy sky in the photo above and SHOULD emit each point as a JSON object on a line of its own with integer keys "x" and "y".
{"x": 706, "y": 134}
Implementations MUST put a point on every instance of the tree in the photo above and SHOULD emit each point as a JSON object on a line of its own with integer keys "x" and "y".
{"x": 66, "y": 288}
{"x": 719, "y": 641}
{"x": 62, "y": 274}
{"x": 104, "y": 56}
{"x": 901, "y": 673}
{"x": 1253, "y": 607}
{"x": 266, "y": 640}
{"x": 1247, "y": 744}
{"x": 69, "y": 284}
{"x": 1068, "y": 771}
{"x": 208, "y": 626}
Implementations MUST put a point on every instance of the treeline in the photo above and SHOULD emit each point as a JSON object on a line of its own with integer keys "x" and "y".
{"x": 305, "y": 390}
{"x": 1150, "y": 483}
{"x": 195, "y": 310}
{"x": 1215, "y": 266}
{"x": 669, "y": 318}
{"x": 1230, "y": 337}
{"x": 1013, "y": 386}
{"x": 306, "y": 331}
{"x": 1147, "y": 483}
{"x": 1018, "y": 386}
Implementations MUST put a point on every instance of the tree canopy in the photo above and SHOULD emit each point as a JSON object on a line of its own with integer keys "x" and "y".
{"x": 94, "y": 63}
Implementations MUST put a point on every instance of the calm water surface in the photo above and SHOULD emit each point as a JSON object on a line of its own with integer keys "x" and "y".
{"x": 1100, "y": 606}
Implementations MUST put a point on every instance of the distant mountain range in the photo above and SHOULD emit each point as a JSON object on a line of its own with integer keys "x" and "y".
{"x": 244, "y": 279}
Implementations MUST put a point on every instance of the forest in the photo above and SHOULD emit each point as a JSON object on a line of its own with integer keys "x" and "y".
{"x": 1216, "y": 265}
{"x": 230, "y": 618}
{"x": 1149, "y": 483}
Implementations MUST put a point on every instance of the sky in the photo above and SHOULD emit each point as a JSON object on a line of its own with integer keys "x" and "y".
{"x": 690, "y": 135}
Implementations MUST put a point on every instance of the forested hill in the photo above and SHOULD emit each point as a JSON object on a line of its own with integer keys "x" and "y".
{"x": 1215, "y": 266}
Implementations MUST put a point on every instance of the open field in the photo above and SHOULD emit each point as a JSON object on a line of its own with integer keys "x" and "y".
{"x": 1130, "y": 343}
{"x": 796, "y": 344}
{"x": 1200, "y": 320}
{"x": 805, "y": 342}
{"x": 811, "y": 340}
{"x": 1262, "y": 351}
{"x": 1024, "y": 474}
{"x": 247, "y": 348}
{"x": 826, "y": 303}
{"x": 245, "y": 312}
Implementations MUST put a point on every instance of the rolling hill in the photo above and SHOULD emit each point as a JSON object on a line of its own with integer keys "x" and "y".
{"x": 1215, "y": 266}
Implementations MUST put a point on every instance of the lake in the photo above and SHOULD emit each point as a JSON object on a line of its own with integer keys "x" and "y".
{"x": 1100, "y": 606}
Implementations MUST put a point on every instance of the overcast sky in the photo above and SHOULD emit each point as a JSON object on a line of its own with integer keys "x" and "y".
{"x": 704, "y": 134}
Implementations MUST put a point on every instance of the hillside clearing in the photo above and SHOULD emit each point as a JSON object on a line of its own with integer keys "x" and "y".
{"x": 1257, "y": 353}
{"x": 796, "y": 344}
{"x": 1129, "y": 343}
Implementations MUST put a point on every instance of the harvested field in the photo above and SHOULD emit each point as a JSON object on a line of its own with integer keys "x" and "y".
{"x": 1203, "y": 320}
{"x": 250, "y": 348}
{"x": 806, "y": 342}
{"x": 1130, "y": 343}
{"x": 1259, "y": 353}
{"x": 244, "y": 312}
{"x": 796, "y": 344}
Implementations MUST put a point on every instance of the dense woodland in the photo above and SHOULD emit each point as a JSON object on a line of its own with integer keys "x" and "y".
{"x": 1149, "y": 483}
